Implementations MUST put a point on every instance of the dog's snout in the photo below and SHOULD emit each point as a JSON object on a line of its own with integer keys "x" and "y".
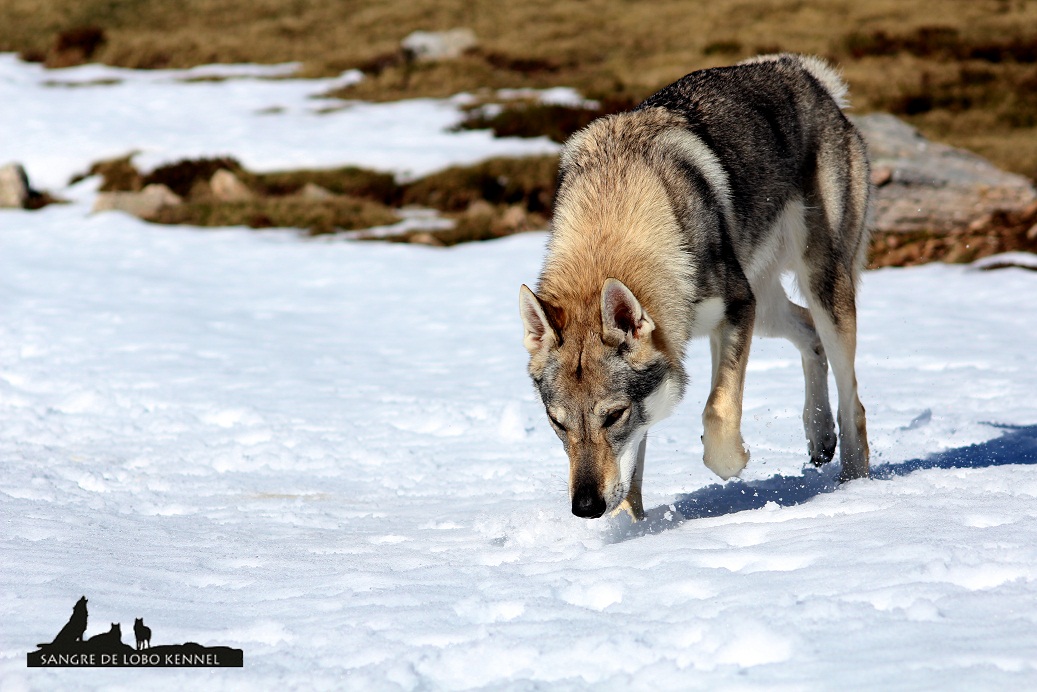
{"x": 588, "y": 503}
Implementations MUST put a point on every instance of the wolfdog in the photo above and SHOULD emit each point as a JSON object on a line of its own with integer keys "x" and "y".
{"x": 677, "y": 220}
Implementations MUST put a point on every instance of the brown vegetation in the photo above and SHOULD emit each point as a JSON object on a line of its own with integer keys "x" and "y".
{"x": 967, "y": 77}
{"x": 487, "y": 200}
{"x": 961, "y": 75}
{"x": 528, "y": 182}
{"x": 997, "y": 233}
{"x": 315, "y": 216}
{"x": 533, "y": 119}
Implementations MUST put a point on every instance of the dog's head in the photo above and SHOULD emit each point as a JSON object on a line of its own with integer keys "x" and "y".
{"x": 603, "y": 382}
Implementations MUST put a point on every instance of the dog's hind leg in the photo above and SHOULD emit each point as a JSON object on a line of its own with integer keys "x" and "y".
{"x": 777, "y": 316}
{"x": 837, "y": 326}
{"x": 829, "y": 254}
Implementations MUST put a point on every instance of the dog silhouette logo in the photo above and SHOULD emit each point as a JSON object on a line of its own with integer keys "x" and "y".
{"x": 74, "y": 628}
{"x": 70, "y": 648}
{"x": 142, "y": 633}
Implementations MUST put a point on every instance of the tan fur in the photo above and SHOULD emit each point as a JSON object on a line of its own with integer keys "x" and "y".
{"x": 724, "y": 450}
{"x": 616, "y": 223}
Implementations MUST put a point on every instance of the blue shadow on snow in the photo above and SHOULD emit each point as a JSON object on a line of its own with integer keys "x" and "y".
{"x": 1018, "y": 445}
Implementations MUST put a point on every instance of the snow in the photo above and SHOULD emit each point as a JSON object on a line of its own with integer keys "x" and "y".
{"x": 66, "y": 119}
{"x": 327, "y": 453}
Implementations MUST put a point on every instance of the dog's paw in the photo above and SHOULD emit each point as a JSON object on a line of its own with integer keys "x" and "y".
{"x": 725, "y": 459}
{"x": 823, "y": 453}
{"x": 636, "y": 513}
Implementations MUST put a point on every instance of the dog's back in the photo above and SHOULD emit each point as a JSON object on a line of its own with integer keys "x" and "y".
{"x": 777, "y": 131}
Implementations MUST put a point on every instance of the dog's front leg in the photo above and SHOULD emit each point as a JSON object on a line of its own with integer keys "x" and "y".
{"x": 725, "y": 453}
{"x": 632, "y": 503}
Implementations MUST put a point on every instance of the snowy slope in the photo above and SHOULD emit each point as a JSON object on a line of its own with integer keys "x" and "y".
{"x": 328, "y": 454}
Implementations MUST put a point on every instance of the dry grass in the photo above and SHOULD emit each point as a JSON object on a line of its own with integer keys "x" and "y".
{"x": 894, "y": 54}
{"x": 528, "y": 182}
{"x": 356, "y": 198}
{"x": 491, "y": 199}
{"x": 315, "y": 216}
{"x": 924, "y": 58}
{"x": 350, "y": 180}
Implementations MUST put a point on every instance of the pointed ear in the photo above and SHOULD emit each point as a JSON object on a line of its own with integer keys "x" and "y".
{"x": 541, "y": 332}
{"x": 622, "y": 317}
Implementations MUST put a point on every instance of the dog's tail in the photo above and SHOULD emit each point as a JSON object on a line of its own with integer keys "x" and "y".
{"x": 818, "y": 68}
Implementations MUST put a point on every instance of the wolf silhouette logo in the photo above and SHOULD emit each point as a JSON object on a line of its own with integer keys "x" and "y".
{"x": 74, "y": 628}
{"x": 107, "y": 649}
{"x": 142, "y": 633}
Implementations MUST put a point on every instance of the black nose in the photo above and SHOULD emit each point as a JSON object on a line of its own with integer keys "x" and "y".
{"x": 588, "y": 504}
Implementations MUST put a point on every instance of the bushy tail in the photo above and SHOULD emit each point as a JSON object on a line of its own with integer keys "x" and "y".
{"x": 827, "y": 75}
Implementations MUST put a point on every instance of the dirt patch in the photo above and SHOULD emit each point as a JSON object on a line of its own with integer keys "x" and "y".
{"x": 992, "y": 235}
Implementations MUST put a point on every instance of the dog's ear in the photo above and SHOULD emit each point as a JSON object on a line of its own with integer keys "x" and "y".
{"x": 543, "y": 322}
{"x": 622, "y": 317}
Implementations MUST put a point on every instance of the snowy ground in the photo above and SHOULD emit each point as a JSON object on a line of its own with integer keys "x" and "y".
{"x": 328, "y": 454}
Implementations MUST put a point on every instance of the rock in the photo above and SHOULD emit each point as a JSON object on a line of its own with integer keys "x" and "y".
{"x": 514, "y": 219}
{"x": 226, "y": 187}
{"x": 14, "y": 186}
{"x": 480, "y": 208}
{"x": 315, "y": 193}
{"x": 432, "y": 46}
{"x": 932, "y": 187}
{"x": 425, "y": 238}
{"x": 143, "y": 204}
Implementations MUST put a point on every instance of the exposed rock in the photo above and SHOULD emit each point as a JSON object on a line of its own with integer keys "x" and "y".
{"x": 432, "y": 46}
{"x": 514, "y": 219}
{"x": 227, "y": 187}
{"x": 424, "y": 238}
{"x": 932, "y": 187}
{"x": 480, "y": 208}
{"x": 143, "y": 204}
{"x": 14, "y": 186}
{"x": 991, "y": 234}
{"x": 315, "y": 193}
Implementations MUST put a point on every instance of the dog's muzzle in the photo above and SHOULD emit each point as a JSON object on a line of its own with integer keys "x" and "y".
{"x": 588, "y": 503}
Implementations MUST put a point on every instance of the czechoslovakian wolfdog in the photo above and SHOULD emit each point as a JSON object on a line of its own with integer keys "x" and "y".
{"x": 676, "y": 220}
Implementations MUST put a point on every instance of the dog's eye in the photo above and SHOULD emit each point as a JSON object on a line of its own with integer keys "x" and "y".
{"x": 555, "y": 421}
{"x": 613, "y": 417}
